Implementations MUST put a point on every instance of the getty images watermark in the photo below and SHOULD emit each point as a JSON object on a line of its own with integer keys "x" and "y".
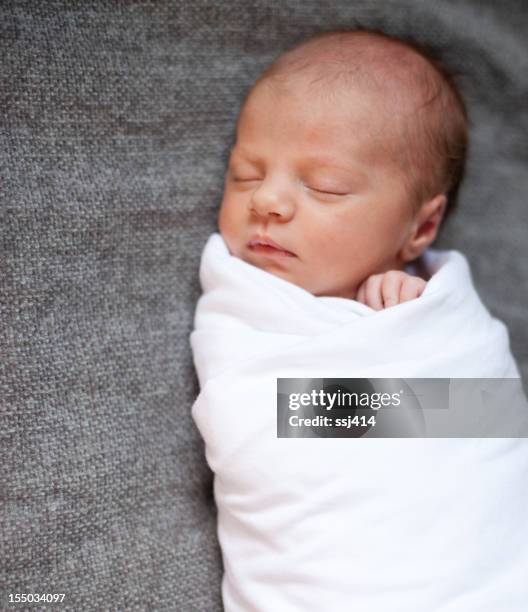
{"x": 401, "y": 408}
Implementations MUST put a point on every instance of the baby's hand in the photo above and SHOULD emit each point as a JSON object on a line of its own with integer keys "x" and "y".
{"x": 390, "y": 288}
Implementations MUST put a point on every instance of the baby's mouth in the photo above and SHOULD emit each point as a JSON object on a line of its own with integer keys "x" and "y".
{"x": 266, "y": 249}
{"x": 265, "y": 245}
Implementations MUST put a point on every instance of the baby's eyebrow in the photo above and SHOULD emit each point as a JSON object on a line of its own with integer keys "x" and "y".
{"x": 238, "y": 152}
{"x": 311, "y": 161}
{"x": 332, "y": 162}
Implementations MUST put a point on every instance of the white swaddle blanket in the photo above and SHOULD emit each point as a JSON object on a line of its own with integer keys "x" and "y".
{"x": 354, "y": 524}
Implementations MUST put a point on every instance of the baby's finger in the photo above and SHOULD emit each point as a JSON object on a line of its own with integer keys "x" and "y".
{"x": 373, "y": 292}
{"x": 412, "y": 288}
{"x": 390, "y": 288}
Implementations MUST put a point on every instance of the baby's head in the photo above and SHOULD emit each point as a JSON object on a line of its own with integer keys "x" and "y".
{"x": 349, "y": 152}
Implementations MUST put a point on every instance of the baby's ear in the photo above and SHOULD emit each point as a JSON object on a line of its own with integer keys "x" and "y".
{"x": 424, "y": 228}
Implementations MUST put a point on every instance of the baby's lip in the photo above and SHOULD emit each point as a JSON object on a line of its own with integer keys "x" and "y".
{"x": 266, "y": 240}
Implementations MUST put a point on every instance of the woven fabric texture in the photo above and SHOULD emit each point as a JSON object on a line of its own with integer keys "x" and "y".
{"x": 116, "y": 122}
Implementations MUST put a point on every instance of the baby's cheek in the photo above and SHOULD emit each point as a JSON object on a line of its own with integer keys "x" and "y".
{"x": 331, "y": 279}
{"x": 229, "y": 225}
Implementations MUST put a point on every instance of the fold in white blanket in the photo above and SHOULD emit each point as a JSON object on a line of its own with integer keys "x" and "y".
{"x": 355, "y": 524}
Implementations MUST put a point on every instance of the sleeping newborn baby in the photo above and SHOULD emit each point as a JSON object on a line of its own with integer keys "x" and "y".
{"x": 346, "y": 150}
{"x": 349, "y": 152}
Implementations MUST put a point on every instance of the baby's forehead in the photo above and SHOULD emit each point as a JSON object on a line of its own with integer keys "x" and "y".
{"x": 341, "y": 119}
{"x": 346, "y": 141}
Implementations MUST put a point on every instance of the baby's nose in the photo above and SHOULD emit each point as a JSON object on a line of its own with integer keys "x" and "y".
{"x": 272, "y": 199}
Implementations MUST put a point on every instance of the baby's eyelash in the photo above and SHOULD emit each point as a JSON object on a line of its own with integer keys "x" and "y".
{"x": 327, "y": 192}
{"x": 237, "y": 179}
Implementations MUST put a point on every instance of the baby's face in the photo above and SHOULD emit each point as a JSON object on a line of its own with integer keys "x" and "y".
{"x": 311, "y": 176}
